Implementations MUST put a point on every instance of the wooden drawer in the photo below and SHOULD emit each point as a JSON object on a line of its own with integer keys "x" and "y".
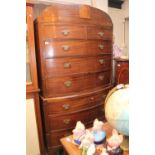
{"x": 64, "y": 48}
{"x": 66, "y": 121}
{"x": 70, "y": 66}
{"x": 68, "y": 85}
{"x": 102, "y": 78}
{"x": 76, "y": 48}
{"x": 73, "y": 104}
{"x": 99, "y": 47}
{"x": 98, "y": 33}
{"x": 63, "y": 32}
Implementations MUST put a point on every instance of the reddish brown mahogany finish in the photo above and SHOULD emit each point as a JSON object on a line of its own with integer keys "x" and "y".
{"x": 122, "y": 71}
{"x": 74, "y": 61}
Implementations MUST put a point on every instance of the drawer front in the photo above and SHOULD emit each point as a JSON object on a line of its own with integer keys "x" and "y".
{"x": 68, "y": 85}
{"x": 103, "y": 63}
{"x": 74, "y": 104}
{"x": 76, "y": 48}
{"x": 99, "y": 33}
{"x": 63, "y": 32}
{"x": 99, "y": 47}
{"x": 64, "y": 48}
{"x": 69, "y": 120}
{"x": 70, "y": 66}
{"x": 103, "y": 78}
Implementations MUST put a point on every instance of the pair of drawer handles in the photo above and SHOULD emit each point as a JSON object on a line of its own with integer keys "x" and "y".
{"x": 67, "y": 106}
{"x": 66, "y": 47}
{"x": 66, "y": 33}
{"x": 68, "y": 64}
{"x": 69, "y": 83}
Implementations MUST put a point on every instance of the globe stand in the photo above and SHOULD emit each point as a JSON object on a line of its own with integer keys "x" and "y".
{"x": 125, "y": 144}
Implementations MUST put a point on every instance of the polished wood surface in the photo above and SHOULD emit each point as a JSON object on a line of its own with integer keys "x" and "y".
{"x": 72, "y": 149}
{"x": 74, "y": 55}
{"x": 67, "y": 48}
{"x": 122, "y": 71}
{"x": 67, "y": 85}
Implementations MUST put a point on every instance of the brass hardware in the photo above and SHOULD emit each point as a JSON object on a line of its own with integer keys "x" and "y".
{"x": 68, "y": 83}
{"x": 46, "y": 42}
{"x": 92, "y": 98}
{"x": 101, "y": 77}
{"x": 66, "y": 121}
{"x": 101, "y": 61}
{"x": 65, "y": 47}
{"x": 66, "y": 106}
{"x": 101, "y": 46}
{"x": 101, "y": 34}
{"x": 65, "y": 32}
{"x": 67, "y": 65}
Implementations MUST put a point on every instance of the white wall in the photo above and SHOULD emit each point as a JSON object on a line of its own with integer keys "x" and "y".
{"x": 120, "y": 27}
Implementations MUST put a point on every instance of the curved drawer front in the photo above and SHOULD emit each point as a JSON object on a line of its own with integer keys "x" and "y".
{"x": 64, "y": 48}
{"x": 69, "y": 120}
{"x": 70, "y": 84}
{"x": 98, "y": 33}
{"x": 62, "y": 32}
{"x": 76, "y": 48}
{"x": 99, "y": 47}
{"x": 74, "y": 104}
{"x": 70, "y": 66}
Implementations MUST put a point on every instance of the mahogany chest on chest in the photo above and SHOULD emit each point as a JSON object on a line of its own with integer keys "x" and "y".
{"x": 74, "y": 55}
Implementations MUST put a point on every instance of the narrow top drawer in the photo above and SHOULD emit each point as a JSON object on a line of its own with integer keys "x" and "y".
{"x": 63, "y": 32}
{"x": 99, "y": 33}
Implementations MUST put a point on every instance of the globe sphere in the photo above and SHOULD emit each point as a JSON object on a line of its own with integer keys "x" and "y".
{"x": 117, "y": 109}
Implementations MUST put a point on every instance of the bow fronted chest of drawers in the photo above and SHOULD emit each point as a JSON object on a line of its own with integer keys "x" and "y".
{"x": 74, "y": 55}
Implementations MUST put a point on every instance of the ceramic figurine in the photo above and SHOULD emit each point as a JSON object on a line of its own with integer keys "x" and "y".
{"x": 87, "y": 144}
{"x": 79, "y": 132}
{"x": 114, "y": 142}
{"x": 98, "y": 132}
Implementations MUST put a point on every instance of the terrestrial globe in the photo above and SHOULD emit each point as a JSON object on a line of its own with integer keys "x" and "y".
{"x": 117, "y": 110}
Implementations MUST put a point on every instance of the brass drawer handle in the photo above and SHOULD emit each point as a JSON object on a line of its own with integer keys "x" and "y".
{"x": 66, "y": 121}
{"x": 46, "y": 42}
{"x": 67, "y": 65}
{"x": 101, "y": 77}
{"x": 101, "y": 46}
{"x": 65, "y": 32}
{"x": 68, "y": 83}
{"x": 65, "y": 47}
{"x": 101, "y": 34}
{"x": 92, "y": 98}
{"x": 101, "y": 61}
{"x": 66, "y": 106}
